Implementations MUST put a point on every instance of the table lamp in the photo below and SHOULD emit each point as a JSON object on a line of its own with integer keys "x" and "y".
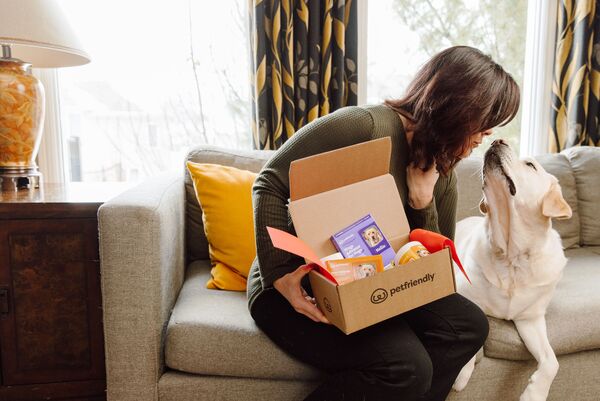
{"x": 32, "y": 33}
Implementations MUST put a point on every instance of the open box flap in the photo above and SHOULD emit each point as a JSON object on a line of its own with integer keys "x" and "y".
{"x": 318, "y": 217}
{"x": 340, "y": 167}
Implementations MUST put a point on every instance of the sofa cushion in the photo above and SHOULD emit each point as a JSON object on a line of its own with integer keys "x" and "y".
{"x": 212, "y": 333}
{"x": 252, "y": 160}
{"x": 228, "y": 343}
{"x": 558, "y": 165}
{"x": 585, "y": 163}
{"x": 572, "y": 316}
{"x": 470, "y": 193}
{"x": 468, "y": 174}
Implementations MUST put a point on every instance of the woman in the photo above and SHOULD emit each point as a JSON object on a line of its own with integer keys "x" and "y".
{"x": 455, "y": 100}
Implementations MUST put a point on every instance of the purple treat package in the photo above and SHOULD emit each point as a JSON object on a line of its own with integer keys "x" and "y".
{"x": 363, "y": 238}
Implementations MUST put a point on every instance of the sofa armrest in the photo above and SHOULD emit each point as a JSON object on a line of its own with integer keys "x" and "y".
{"x": 142, "y": 268}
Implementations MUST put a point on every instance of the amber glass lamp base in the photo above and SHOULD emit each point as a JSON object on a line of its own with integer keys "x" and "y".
{"x": 21, "y": 119}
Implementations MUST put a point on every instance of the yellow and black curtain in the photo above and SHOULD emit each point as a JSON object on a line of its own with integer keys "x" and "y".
{"x": 576, "y": 84}
{"x": 303, "y": 64}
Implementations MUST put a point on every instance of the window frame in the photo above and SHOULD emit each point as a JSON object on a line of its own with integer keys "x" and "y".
{"x": 537, "y": 78}
{"x": 362, "y": 9}
{"x": 50, "y": 158}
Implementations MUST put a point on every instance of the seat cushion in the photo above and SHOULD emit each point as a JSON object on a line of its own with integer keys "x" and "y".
{"x": 572, "y": 316}
{"x": 212, "y": 333}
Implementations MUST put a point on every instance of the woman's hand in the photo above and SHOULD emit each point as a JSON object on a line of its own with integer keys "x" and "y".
{"x": 290, "y": 287}
{"x": 420, "y": 185}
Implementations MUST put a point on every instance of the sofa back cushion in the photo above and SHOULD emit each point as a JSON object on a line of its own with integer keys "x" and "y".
{"x": 577, "y": 169}
{"x": 558, "y": 165}
{"x": 468, "y": 174}
{"x": 585, "y": 164}
{"x": 252, "y": 160}
{"x": 470, "y": 193}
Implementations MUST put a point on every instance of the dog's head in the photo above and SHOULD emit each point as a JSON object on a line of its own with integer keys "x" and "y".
{"x": 372, "y": 235}
{"x": 366, "y": 270}
{"x": 519, "y": 192}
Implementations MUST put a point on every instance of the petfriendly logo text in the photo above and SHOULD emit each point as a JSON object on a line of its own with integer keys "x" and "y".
{"x": 411, "y": 283}
{"x": 381, "y": 294}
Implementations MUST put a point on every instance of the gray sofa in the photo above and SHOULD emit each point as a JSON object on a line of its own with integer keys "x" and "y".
{"x": 169, "y": 338}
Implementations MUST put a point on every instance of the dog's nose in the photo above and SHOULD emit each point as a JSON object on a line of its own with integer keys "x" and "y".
{"x": 498, "y": 142}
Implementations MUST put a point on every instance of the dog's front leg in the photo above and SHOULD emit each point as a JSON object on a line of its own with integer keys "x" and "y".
{"x": 534, "y": 335}
{"x": 465, "y": 374}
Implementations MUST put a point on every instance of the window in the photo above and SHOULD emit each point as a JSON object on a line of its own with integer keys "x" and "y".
{"x": 403, "y": 34}
{"x": 166, "y": 76}
{"x": 171, "y": 77}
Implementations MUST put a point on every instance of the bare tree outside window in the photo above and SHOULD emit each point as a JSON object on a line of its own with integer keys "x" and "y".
{"x": 172, "y": 80}
{"x": 416, "y": 30}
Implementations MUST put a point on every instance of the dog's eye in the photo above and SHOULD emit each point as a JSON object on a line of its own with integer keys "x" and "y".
{"x": 530, "y": 164}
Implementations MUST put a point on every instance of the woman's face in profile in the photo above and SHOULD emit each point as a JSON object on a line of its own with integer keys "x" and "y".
{"x": 474, "y": 141}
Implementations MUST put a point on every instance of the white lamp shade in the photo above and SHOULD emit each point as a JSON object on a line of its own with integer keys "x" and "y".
{"x": 39, "y": 34}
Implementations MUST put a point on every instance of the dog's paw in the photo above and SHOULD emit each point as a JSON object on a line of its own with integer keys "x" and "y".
{"x": 460, "y": 383}
{"x": 463, "y": 378}
{"x": 465, "y": 374}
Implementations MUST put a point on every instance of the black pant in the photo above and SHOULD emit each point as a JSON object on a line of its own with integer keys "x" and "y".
{"x": 413, "y": 356}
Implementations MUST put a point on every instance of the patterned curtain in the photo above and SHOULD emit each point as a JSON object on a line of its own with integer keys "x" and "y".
{"x": 576, "y": 85}
{"x": 303, "y": 64}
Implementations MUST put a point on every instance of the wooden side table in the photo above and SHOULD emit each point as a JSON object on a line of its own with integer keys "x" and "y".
{"x": 51, "y": 339}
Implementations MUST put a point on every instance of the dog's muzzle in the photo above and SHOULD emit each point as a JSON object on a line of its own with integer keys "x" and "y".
{"x": 494, "y": 162}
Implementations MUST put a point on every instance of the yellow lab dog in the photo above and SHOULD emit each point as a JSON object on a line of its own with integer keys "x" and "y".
{"x": 514, "y": 257}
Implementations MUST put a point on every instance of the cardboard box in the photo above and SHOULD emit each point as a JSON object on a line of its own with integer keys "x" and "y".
{"x": 331, "y": 190}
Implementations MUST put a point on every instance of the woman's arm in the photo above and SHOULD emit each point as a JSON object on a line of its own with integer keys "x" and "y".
{"x": 440, "y": 214}
{"x": 446, "y": 206}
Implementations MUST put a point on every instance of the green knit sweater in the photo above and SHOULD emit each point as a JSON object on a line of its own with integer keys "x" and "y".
{"x": 344, "y": 127}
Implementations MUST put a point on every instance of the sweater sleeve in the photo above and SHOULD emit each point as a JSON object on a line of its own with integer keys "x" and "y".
{"x": 446, "y": 206}
{"x": 270, "y": 192}
{"x": 425, "y": 218}
{"x": 440, "y": 215}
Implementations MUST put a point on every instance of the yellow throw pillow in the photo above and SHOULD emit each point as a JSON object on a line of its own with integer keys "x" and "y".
{"x": 225, "y": 194}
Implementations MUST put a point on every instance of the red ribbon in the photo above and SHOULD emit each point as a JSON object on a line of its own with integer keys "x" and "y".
{"x": 435, "y": 242}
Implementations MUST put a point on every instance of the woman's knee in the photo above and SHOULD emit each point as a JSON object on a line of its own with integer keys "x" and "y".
{"x": 406, "y": 377}
{"x": 478, "y": 326}
{"x": 422, "y": 374}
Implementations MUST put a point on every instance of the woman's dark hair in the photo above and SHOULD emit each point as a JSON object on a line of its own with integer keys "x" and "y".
{"x": 457, "y": 93}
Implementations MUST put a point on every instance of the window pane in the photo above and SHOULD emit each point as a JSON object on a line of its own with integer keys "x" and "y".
{"x": 165, "y": 76}
{"x": 403, "y": 34}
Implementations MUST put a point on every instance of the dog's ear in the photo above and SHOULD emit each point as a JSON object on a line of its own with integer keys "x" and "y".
{"x": 483, "y": 206}
{"x": 554, "y": 205}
